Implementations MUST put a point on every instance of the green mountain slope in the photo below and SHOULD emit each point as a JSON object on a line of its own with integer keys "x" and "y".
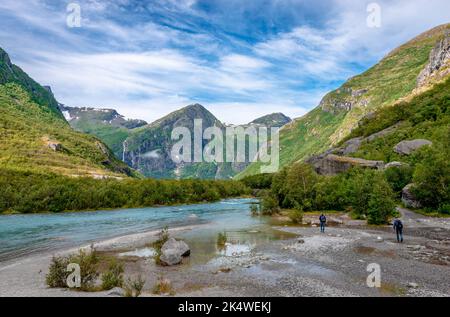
{"x": 392, "y": 79}
{"x": 35, "y": 136}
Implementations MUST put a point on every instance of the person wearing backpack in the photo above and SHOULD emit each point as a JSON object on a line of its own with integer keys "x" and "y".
{"x": 398, "y": 227}
{"x": 323, "y": 221}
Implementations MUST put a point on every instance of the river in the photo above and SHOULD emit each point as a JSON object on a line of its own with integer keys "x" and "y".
{"x": 22, "y": 235}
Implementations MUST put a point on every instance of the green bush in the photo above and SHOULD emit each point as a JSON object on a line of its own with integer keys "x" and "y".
{"x": 381, "y": 205}
{"x": 432, "y": 178}
{"x": 222, "y": 239}
{"x": 113, "y": 277}
{"x": 88, "y": 262}
{"x": 57, "y": 274}
{"x": 254, "y": 210}
{"x": 398, "y": 178}
{"x": 269, "y": 205}
{"x": 296, "y": 216}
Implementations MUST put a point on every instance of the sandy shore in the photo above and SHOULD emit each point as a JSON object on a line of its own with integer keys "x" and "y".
{"x": 306, "y": 263}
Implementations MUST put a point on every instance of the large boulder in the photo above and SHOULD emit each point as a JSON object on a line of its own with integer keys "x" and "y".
{"x": 408, "y": 198}
{"x": 173, "y": 251}
{"x": 331, "y": 164}
{"x": 395, "y": 164}
{"x": 407, "y": 147}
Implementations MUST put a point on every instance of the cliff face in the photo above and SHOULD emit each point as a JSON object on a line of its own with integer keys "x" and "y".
{"x": 439, "y": 63}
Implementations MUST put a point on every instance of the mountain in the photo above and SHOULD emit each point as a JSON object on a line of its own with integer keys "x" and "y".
{"x": 404, "y": 73}
{"x": 148, "y": 148}
{"x": 272, "y": 120}
{"x": 106, "y": 124}
{"x": 36, "y": 137}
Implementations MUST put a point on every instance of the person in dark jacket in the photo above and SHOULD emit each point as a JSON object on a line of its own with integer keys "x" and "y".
{"x": 398, "y": 227}
{"x": 323, "y": 221}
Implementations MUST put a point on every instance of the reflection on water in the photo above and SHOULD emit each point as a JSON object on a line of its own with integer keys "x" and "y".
{"x": 140, "y": 253}
{"x": 231, "y": 249}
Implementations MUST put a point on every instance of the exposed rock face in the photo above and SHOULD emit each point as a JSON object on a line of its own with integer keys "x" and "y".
{"x": 408, "y": 197}
{"x": 407, "y": 147}
{"x": 344, "y": 99}
{"x": 330, "y": 164}
{"x": 173, "y": 251}
{"x": 438, "y": 67}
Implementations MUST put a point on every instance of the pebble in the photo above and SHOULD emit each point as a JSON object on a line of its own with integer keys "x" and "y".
{"x": 413, "y": 285}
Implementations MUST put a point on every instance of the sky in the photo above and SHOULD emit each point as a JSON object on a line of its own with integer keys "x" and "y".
{"x": 241, "y": 59}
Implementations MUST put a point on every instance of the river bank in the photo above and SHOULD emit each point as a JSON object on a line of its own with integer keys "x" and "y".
{"x": 270, "y": 259}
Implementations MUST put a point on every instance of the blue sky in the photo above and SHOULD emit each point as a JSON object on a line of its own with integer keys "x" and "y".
{"x": 240, "y": 58}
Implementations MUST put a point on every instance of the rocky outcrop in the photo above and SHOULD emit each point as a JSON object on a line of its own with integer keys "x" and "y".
{"x": 438, "y": 66}
{"x": 55, "y": 146}
{"x": 173, "y": 251}
{"x": 407, "y": 147}
{"x": 331, "y": 164}
{"x": 394, "y": 164}
{"x": 408, "y": 198}
{"x": 344, "y": 99}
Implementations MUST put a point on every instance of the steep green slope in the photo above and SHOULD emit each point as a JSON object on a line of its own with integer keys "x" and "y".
{"x": 35, "y": 136}
{"x": 10, "y": 73}
{"x": 393, "y": 78}
{"x": 34, "y": 139}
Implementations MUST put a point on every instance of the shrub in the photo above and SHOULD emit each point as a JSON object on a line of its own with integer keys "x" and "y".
{"x": 432, "y": 178}
{"x": 381, "y": 204}
{"x": 398, "y": 178}
{"x": 57, "y": 275}
{"x": 88, "y": 262}
{"x": 254, "y": 210}
{"x": 296, "y": 216}
{"x": 134, "y": 287}
{"x": 222, "y": 239}
{"x": 163, "y": 286}
{"x": 269, "y": 205}
{"x": 113, "y": 277}
{"x": 163, "y": 236}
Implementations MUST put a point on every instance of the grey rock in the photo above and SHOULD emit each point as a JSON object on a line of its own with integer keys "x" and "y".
{"x": 407, "y": 147}
{"x": 116, "y": 291}
{"x": 394, "y": 164}
{"x": 57, "y": 147}
{"x": 413, "y": 285}
{"x": 408, "y": 198}
{"x": 331, "y": 164}
{"x": 173, "y": 251}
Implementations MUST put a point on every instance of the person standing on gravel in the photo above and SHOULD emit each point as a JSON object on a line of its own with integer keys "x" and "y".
{"x": 323, "y": 221}
{"x": 398, "y": 227}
